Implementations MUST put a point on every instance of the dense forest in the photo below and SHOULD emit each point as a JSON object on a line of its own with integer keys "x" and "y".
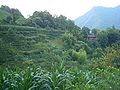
{"x": 49, "y": 52}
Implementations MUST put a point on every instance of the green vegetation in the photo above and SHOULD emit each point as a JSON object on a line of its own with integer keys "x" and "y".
{"x": 59, "y": 78}
{"x": 45, "y": 52}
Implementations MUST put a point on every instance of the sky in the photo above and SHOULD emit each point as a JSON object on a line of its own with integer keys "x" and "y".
{"x": 69, "y": 8}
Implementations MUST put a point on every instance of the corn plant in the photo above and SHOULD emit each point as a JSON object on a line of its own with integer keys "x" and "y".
{"x": 60, "y": 78}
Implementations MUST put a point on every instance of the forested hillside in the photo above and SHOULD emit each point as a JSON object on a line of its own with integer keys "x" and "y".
{"x": 47, "y": 52}
{"x": 100, "y": 17}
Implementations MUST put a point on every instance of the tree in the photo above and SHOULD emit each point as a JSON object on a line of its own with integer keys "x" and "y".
{"x": 85, "y": 32}
{"x": 13, "y": 15}
{"x": 69, "y": 40}
{"x": 16, "y": 14}
{"x": 113, "y": 36}
{"x": 111, "y": 56}
{"x": 102, "y": 39}
{"x": 7, "y": 20}
{"x": 5, "y": 8}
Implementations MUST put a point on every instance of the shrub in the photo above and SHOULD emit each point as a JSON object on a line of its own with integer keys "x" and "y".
{"x": 111, "y": 57}
{"x": 7, "y": 52}
{"x": 80, "y": 56}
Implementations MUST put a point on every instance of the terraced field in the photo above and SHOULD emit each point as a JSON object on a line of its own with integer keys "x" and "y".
{"x": 30, "y": 41}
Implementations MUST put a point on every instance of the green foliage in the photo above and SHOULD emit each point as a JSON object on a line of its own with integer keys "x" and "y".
{"x": 107, "y": 38}
{"x": 12, "y": 15}
{"x": 59, "y": 78}
{"x": 98, "y": 52}
{"x": 85, "y": 32}
{"x": 7, "y": 52}
{"x": 80, "y": 56}
{"x": 71, "y": 41}
{"x": 68, "y": 39}
{"x": 103, "y": 39}
{"x": 43, "y": 40}
{"x": 3, "y": 15}
{"x": 113, "y": 36}
{"x": 44, "y": 19}
{"x": 112, "y": 56}
{"x": 4, "y": 12}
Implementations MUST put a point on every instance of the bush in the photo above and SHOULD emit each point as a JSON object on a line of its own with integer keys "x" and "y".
{"x": 80, "y": 56}
{"x": 111, "y": 57}
{"x": 7, "y": 52}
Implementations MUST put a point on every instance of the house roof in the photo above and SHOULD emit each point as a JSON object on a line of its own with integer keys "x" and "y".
{"x": 91, "y": 35}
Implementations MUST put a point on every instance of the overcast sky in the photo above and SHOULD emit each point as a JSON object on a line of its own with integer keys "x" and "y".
{"x": 69, "y": 8}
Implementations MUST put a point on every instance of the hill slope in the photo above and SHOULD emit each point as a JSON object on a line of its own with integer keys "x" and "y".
{"x": 3, "y": 14}
{"x": 100, "y": 17}
{"x": 7, "y": 14}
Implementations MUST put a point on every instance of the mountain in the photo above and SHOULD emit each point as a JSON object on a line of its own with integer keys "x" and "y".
{"x": 100, "y": 17}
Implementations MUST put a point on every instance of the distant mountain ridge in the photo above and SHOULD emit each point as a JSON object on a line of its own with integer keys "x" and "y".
{"x": 100, "y": 17}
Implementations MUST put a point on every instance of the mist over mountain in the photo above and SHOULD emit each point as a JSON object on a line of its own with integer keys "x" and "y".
{"x": 100, "y": 17}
